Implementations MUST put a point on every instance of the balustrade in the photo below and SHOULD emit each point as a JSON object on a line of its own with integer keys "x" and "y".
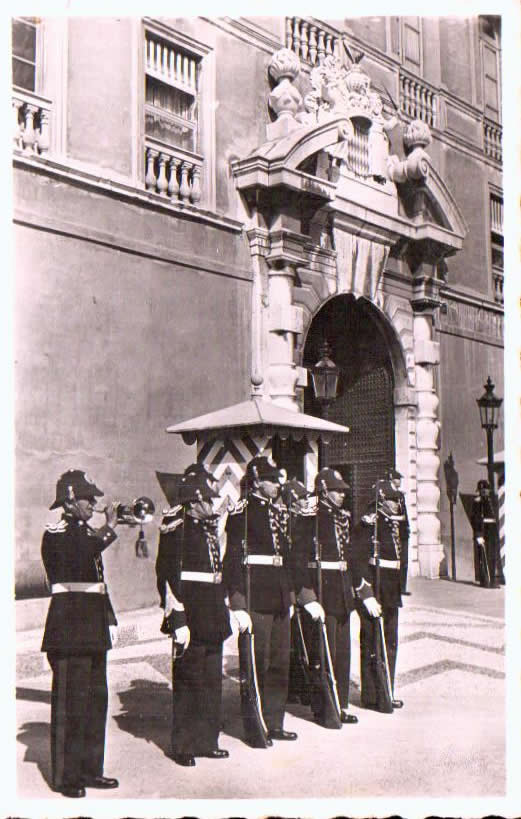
{"x": 418, "y": 100}
{"x": 498, "y": 278}
{"x": 492, "y": 140}
{"x": 173, "y": 174}
{"x": 31, "y": 124}
{"x": 309, "y": 41}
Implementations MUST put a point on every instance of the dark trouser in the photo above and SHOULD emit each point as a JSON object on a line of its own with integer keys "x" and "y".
{"x": 488, "y": 562}
{"x": 300, "y": 682}
{"x": 368, "y": 628}
{"x": 339, "y": 639}
{"x": 79, "y": 702}
{"x": 197, "y": 698}
{"x": 272, "y": 645}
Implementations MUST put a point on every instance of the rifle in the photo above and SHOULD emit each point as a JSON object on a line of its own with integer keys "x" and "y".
{"x": 302, "y": 676}
{"x": 326, "y": 687}
{"x": 382, "y": 673}
{"x": 251, "y": 706}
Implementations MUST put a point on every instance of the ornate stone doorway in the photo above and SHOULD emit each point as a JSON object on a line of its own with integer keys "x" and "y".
{"x": 365, "y": 399}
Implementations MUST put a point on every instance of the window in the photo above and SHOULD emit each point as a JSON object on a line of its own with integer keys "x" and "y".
{"x": 411, "y": 44}
{"x": 171, "y": 93}
{"x": 490, "y": 34}
{"x": 24, "y": 32}
{"x": 496, "y": 245}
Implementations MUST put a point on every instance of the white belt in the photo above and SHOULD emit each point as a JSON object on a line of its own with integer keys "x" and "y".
{"x": 202, "y": 577}
{"x": 339, "y": 565}
{"x": 395, "y": 517}
{"x": 385, "y": 564}
{"x": 94, "y": 588}
{"x": 264, "y": 560}
{"x": 489, "y": 520}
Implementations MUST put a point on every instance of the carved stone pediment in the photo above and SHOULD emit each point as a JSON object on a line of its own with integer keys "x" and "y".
{"x": 344, "y": 91}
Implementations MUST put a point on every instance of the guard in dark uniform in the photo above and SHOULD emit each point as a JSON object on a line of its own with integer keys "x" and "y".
{"x": 189, "y": 580}
{"x": 487, "y": 563}
{"x": 392, "y": 530}
{"x": 344, "y": 578}
{"x": 395, "y": 479}
{"x": 260, "y": 525}
{"x": 77, "y": 635}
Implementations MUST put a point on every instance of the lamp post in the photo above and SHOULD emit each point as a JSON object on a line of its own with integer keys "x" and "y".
{"x": 489, "y": 405}
{"x": 324, "y": 375}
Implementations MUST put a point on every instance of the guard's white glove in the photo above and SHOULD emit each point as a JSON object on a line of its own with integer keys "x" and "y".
{"x": 291, "y": 610}
{"x": 480, "y": 540}
{"x": 243, "y": 620}
{"x": 182, "y": 636}
{"x": 373, "y": 606}
{"x": 315, "y": 610}
{"x": 113, "y": 634}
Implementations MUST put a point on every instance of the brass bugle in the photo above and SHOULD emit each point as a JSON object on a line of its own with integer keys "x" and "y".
{"x": 140, "y": 511}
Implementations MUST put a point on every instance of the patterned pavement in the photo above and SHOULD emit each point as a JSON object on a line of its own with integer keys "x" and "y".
{"x": 448, "y": 740}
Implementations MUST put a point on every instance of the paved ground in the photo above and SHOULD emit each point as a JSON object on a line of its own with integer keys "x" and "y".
{"x": 448, "y": 741}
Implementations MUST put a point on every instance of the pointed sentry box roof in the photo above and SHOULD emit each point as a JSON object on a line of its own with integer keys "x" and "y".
{"x": 263, "y": 415}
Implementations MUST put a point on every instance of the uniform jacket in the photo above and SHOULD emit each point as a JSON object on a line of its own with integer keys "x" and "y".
{"x": 264, "y": 528}
{"x": 189, "y": 544}
{"x": 331, "y": 528}
{"x": 77, "y": 622}
{"x": 483, "y": 519}
{"x": 393, "y": 535}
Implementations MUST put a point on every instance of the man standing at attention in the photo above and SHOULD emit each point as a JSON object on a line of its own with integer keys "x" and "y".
{"x": 256, "y": 532}
{"x": 78, "y": 635}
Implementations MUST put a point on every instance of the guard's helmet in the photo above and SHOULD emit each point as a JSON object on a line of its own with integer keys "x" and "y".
{"x": 330, "y": 479}
{"x": 483, "y": 484}
{"x": 262, "y": 468}
{"x": 294, "y": 490}
{"x": 199, "y": 469}
{"x": 196, "y": 488}
{"x": 393, "y": 475}
{"x": 74, "y": 485}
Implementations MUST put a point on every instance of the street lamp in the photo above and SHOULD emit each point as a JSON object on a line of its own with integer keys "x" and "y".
{"x": 489, "y": 405}
{"x": 325, "y": 375}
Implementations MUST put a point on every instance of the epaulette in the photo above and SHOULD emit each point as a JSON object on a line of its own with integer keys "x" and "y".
{"x": 238, "y": 507}
{"x": 171, "y": 525}
{"x": 173, "y": 511}
{"x": 57, "y": 528}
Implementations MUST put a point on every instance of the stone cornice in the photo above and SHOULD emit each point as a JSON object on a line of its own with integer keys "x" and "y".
{"x": 127, "y": 244}
{"x": 111, "y": 187}
{"x": 246, "y": 31}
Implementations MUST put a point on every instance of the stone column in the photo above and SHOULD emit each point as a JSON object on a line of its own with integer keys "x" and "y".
{"x": 284, "y": 322}
{"x": 427, "y": 357}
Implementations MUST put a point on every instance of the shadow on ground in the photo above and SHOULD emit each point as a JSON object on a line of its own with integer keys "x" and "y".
{"x": 36, "y": 736}
{"x": 146, "y": 712}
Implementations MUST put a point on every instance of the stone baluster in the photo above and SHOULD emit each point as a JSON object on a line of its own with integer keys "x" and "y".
{"x": 173, "y": 184}
{"x": 313, "y": 45}
{"x": 296, "y": 36}
{"x": 43, "y": 137}
{"x": 150, "y": 176}
{"x": 196, "y": 184}
{"x": 329, "y": 44}
{"x": 289, "y": 33}
{"x": 321, "y": 48}
{"x": 17, "y": 132}
{"x": 304, "y": 45}
{"x": 161, "y": 182}
{"x": 184, "y": 187}
{"x": 29, "y": 133}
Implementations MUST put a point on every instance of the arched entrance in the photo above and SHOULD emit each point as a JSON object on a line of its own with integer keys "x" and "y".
{"x": 365, "y": 394}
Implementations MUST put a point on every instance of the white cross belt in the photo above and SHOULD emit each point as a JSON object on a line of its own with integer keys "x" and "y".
{"x": 385, "y": 564}
{"x": 93, "y": 588}
{"x": 202, "y": 577}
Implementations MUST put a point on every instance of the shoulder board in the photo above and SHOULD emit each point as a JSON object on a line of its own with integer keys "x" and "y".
{"x": 171, "y": 525}
{"x": 172, "y": 511}
{"x": 239, "y": 507}
{"x": 57, "y": 528}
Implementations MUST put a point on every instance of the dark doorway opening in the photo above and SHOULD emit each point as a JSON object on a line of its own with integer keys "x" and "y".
{"x": 365, "y": 395}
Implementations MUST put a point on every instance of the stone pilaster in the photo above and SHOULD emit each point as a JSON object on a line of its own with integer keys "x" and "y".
{"x": 284, "y": 322}
{"x": 430, "y": 548}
